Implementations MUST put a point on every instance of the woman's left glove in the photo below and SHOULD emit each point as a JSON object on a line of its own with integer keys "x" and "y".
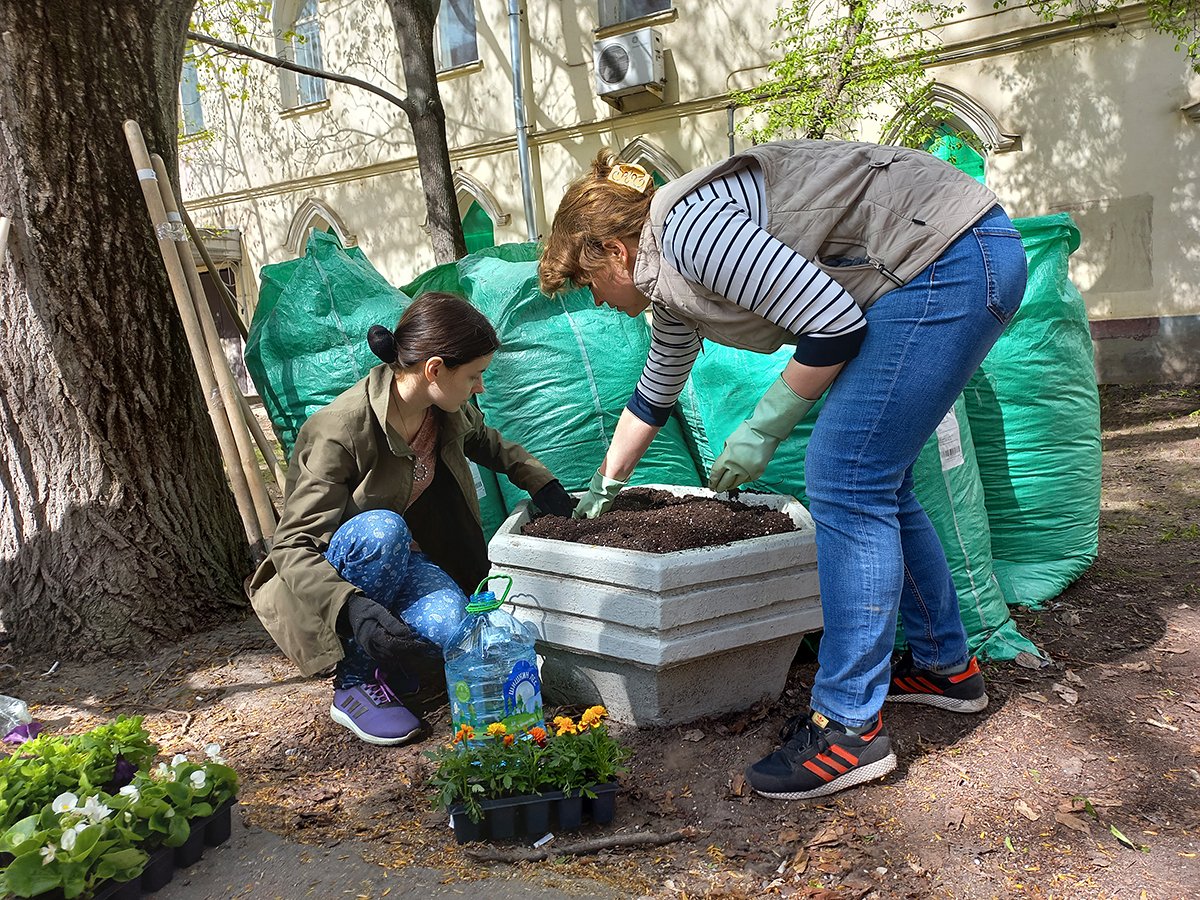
{"x": 553, "y": 500}
{"x": 601, "y": 493}
{"x": 753, "y": 443}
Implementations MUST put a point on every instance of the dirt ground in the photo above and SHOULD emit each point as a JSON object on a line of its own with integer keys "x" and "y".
{"x": 1081, "y": 780}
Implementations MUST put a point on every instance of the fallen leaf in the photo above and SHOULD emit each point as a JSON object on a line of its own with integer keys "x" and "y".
{"x": 1072, "y": 678}
{"x": 1070, "y": 618}
{"x": 1073, "y": 822}
{"x": 1163, "y": 725}
{"x": 1140, "y": 666}
{"x": 789, "y": 836}
{"x": 955, "y": 816}
{"x": 1073, "y": 766}
{"x": 1027, "y": 660}
{"x": 1068, "y": 695}
{"x": 694, "y": 735}
{"x": 1038, "y": 698}
{"x": 1026, "y": 810}
{"x": 830, "y": 834}
{"x": 1008, "y": 844}
{"x": 1116, "y": 832}
{"x": 1170, "y": 649}
{"x": 737, "y": 785}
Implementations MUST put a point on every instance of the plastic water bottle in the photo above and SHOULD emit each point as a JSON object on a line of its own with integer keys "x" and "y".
{"x": 491, "y": 667}
{"x": 13, "y": 712}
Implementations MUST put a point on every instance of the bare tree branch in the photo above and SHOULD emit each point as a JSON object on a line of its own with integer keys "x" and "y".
{"x": 281, "y": 63}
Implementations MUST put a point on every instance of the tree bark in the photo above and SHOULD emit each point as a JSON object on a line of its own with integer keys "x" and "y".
{"x": 414, "y": 21}
{"x": 117, "y": 529}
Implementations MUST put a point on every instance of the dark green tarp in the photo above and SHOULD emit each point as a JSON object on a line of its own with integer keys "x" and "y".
{"x": 1035, "y": 413}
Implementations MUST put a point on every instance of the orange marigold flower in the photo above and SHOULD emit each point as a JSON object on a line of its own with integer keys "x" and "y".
{"x": 539, "y": 735}
{"x": 464, "y": 733}
{"x": 592, "y": 716}
{"x": 565, "y": 725}
{"x": 496, "y": 729}
{"x": 508, "y": 740}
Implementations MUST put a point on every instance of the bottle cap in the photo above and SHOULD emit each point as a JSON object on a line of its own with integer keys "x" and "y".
{"x": 483, "y": 602}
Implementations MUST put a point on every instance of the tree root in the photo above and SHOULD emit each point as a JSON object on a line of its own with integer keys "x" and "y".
{"x": 594, "y": 845}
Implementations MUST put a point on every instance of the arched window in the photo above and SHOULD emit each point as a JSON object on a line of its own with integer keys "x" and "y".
{"x": 966, "y": 132}
{"x": 661, "y": 165}
{"x": 298, "y": 38}
{"x": 478, "y": 228}
{"x": 315, "y": 214}
{"x": 480, "y": 211}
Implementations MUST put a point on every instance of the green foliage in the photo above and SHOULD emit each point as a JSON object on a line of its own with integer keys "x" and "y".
{"x": 241, "y": 21}
{"x": 66, "y": 831}
{"x": 48, "y": 765}
{"x": 1177, "y": 19}
{"x": 845, "y": 62}
{"x": 577, "y": 757}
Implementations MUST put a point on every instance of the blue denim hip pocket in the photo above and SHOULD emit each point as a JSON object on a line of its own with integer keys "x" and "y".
{"x": 1004, "y": 265}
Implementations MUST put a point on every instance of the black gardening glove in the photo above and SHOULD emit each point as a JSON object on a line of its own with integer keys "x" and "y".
{"x": 386, "y": 639}
{"x": 553, "y": 500}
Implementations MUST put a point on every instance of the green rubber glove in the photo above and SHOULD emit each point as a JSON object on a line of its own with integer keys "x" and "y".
{"x": 599, "y": 497}
{"x": 753, "y": 443}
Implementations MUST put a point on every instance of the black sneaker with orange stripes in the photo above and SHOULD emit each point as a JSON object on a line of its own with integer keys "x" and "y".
{"x": 818, "y": 757}
{"x": 965, "y": 692}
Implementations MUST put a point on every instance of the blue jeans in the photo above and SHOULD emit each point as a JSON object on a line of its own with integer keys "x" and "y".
{"x": 373, "y": 552}
{"x": 877, "y": 551}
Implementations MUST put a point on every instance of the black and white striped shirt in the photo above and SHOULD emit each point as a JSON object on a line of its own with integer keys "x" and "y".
{"x": 714, "y": 237}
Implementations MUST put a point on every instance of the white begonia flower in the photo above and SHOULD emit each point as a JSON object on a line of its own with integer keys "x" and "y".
{"x": 95, "y": 810}
{"x": 131, "y": 792}
{"x": 68, "y": 839}
{"x": 212, "y": 750}
{"x": 64, "y": 802}
{"x": 178, "y": 759}
{"x": 197, "y": 779}
{"x": 161, "y": 770}
{"x": 80, "y": 825}
{"x": 47, "y": 854}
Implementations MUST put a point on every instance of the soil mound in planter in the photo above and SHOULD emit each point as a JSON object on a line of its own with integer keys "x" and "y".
{"x": 658, "y": 522}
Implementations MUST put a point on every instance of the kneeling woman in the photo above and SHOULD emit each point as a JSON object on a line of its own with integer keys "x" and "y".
{"x": 381, "y": 534}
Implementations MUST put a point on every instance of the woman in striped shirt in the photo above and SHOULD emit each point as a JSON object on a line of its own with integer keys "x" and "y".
{"x": 892, "y": 274}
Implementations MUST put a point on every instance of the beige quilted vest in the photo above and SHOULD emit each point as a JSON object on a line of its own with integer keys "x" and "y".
{"x": 871, "y": 216}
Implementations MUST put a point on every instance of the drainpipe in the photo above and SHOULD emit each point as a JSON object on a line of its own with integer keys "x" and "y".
{"x": 514, "y": 41}
{"x": 731, "y": 130}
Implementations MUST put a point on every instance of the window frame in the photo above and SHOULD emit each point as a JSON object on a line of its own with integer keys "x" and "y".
{"x": 440, "y": 46}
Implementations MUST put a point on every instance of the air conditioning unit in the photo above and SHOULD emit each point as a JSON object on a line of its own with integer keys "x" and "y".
{"x": 629, "y": 63}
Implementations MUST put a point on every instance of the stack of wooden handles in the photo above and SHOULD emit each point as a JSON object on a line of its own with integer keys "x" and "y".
{"x": 233, "y": 421}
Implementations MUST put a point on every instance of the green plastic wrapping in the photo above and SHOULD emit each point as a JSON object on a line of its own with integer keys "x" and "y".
{"x": 724, "y": 387}
{"x": 1035, "y": 415}
{"x": 564, "y": 371}
{"x": 308, "y": 338}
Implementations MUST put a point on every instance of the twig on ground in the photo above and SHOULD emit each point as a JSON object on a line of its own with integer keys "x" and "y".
{"x": 594, "y": 845}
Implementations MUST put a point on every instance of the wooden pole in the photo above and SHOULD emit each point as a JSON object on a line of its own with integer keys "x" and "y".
{"x": 168, "y": 247}
{"x": 265, "y": 446}
{"x": 226, "y": 385}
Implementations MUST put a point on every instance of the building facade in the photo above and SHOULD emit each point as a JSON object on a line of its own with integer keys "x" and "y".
{"x": 1100, "y": 119}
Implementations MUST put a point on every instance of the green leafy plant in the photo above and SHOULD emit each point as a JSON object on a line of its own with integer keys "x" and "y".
{"x": 48, "y": 765}
{"x": 578, "y": 757}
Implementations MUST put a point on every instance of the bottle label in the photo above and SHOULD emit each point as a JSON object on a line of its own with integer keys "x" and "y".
{"x": 522, "y": 697}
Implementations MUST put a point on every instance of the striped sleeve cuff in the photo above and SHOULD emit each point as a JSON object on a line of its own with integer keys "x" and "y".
{"x": 829, "y": 351}
{"x": 646, "y": 411}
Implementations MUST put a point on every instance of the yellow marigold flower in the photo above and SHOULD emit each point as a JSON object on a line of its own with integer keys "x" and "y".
{"x": 496, "y": 729}
{"x": 592, "y": 716}
{"x": 508, "y": 740}
{"x": 565, "y": 725}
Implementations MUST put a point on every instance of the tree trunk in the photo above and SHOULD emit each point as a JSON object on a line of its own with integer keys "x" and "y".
{"x": 117, "y": 529}
{"x": 414, "y": 21}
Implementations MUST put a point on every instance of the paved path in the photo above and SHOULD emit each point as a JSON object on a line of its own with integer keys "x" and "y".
{"x": 258, "y": 864}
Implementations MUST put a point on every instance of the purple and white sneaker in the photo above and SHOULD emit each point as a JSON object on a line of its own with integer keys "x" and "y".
{"x": 374, "y": 713}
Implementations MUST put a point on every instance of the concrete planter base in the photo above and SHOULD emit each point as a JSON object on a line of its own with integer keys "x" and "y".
{"x": 664, "y": 638}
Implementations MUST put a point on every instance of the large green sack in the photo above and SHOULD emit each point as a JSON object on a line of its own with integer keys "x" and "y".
{"x": 308, "y": 338}
{"x": 725, "y": 385}
{"x": 564, "y": 372}
{"x": 1035, "y": 415}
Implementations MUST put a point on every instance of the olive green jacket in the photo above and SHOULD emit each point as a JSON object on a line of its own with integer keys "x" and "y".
{"x": 348, "y": 460}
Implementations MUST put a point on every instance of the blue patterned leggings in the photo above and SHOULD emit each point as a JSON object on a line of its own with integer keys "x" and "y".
{"x": 372, "y": 552}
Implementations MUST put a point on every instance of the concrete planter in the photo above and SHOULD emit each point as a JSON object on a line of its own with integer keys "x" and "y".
{"x": 664, "y": 638}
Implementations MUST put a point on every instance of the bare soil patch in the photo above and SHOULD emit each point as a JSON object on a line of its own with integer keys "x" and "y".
{"x": 991, "y": 805}
{"x": 656, "y": 521}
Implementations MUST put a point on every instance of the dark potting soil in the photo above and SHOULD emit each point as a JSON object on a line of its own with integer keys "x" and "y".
{"x": 658, "y": 522}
